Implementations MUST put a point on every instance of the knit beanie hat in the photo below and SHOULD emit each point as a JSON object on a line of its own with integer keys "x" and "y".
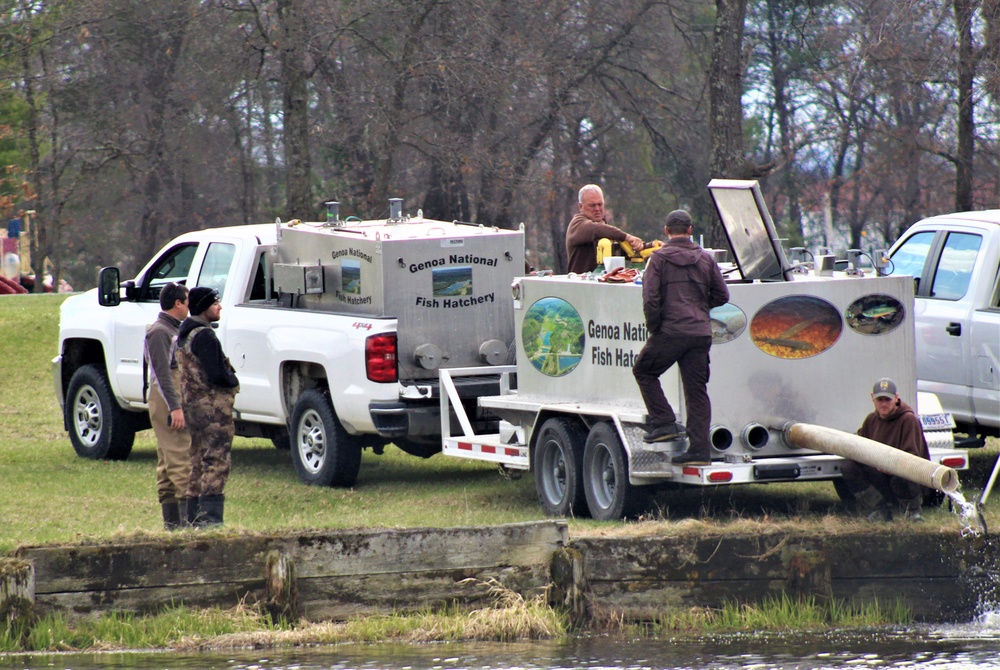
{"x": 201, "y": 298}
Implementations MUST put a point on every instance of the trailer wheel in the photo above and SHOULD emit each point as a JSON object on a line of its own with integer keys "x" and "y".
{"x": 556, "y": 461}
{"x": 605, "y": 476}
{"x": 98, "y": 427}
{"x": 323, "y": 452}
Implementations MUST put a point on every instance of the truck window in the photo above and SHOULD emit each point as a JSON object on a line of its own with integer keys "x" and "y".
{"x": 954, "y": 269}
{"x": 215, "y": 268}
{"x": 258, "y": 289}
{"x": 911, "y": 256}
{"x": 994, "y": 305}
{"x": 172, "y": 266}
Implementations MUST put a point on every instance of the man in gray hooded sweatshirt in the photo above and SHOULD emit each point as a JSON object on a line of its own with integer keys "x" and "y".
{"x": 682, "y": 282}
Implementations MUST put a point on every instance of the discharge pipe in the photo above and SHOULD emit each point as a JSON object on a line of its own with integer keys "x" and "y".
{"x": 880, "y": 456}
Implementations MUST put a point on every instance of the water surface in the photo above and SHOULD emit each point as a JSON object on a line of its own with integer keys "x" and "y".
{"x": 973, "y": 645}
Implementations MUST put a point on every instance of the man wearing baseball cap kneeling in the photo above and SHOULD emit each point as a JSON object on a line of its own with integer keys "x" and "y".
{"x": 895, "y": 424}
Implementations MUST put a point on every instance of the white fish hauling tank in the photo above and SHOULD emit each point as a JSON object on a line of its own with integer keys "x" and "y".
{"x": 792, "y": 347}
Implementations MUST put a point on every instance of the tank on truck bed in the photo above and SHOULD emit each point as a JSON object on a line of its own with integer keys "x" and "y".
{"x": 790, "y": 346}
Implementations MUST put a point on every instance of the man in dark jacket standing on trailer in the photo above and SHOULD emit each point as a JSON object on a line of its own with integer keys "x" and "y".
{"x": 682, "y": 282}
{"x": 173, "y": 442}
{"x": 208, "y": 389}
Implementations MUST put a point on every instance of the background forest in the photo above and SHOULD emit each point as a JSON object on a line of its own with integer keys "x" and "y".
{"x": 126, "y": 122}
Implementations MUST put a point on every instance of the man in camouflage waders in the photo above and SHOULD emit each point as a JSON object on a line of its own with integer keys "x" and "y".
{"x": 208, "y": 386}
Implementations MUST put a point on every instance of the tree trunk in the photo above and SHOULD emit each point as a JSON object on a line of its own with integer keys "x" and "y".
{"x": 35, "y": 222}
{"x": 159, "y": 84}
{"x": 295, "y": 101}
{"x": 966, "y": 120}
{"x": 779, "y": 77}
{"x": 725, "y": 85}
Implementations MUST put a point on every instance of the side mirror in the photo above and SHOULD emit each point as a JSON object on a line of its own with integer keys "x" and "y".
{"x": 108, "y": 289}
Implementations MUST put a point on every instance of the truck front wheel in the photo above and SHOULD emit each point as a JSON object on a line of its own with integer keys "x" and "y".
{"x": 98, "y": 427}
{"x": 557, "y": 465}
{"x": 323, "y": 452}
{"x": 605, "y": 476}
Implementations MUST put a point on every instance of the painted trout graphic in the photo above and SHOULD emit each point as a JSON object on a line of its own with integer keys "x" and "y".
{"x": 884, "y": 312}
{"x": 785, "y": 338}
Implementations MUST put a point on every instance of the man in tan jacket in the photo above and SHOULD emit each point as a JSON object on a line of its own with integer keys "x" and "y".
{"x": 589, "y": 226}
{"x": 173, "y": 442}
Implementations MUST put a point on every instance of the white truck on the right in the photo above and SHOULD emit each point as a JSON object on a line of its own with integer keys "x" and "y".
{"x": 955, "y": 262}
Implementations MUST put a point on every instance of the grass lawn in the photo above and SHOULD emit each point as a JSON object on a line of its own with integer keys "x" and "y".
{"x": 49, "y": 495}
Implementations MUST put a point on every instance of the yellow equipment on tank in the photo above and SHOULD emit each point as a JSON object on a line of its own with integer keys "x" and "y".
{"x": 607, "y": 247}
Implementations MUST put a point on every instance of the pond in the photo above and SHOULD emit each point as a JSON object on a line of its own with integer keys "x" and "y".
{"x": 972, "y": 645}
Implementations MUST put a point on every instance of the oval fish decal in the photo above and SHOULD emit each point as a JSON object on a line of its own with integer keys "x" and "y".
{"x": 874, "y": 314}
{"x": 553, "y": 336}
{"x": 796, "y": 326}
{"x": 728, "y": 323}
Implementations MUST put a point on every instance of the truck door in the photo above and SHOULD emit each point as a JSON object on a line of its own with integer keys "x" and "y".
{"x": 248, "y": 346}
{"x": 215, "y": 271}
{"x": 172, "y": 265}
{"x": 985, "y": 339}
{"x": 944, "y": 307}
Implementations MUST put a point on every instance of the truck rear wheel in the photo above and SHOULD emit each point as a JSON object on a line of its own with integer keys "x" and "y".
{"x": 605, "y": 476}
{"x": 98, "y": 427}
{"x": 556, "y": 461}
{"x": 323, "y": 452}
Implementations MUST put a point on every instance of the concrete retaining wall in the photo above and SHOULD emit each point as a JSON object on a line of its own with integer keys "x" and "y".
{"x": 940, "y": 577}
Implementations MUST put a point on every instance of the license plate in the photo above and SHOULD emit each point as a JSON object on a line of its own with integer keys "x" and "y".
{"x": 937, "y": 421}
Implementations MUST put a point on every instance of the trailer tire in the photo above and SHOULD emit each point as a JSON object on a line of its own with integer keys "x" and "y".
{"x": 98, "y": 427}
{"x": 323, "y": 452}
{"x": 557, "y": 463}
{"x": 605, "y": 476}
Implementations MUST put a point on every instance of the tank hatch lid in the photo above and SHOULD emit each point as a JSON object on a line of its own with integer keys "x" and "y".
{"x": 750, "y": 230}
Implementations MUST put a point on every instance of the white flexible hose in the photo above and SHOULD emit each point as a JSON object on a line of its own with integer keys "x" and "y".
{"x": 880, "y": 456}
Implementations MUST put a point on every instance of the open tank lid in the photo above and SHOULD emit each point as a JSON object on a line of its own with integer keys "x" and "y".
{"x": 749, "y": 228}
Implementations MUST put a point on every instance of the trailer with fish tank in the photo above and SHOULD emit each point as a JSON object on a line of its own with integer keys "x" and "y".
{"x": 790, "y": 347}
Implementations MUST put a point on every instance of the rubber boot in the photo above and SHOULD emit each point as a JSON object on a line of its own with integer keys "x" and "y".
{"x": 182, "y": 508}
{"x": 211, "y": 510}
{"x": 910, "y": 508}
{"x": 871, "y": 504}
{"x": 193, "y": 511}
{"x": 171, "y": 515}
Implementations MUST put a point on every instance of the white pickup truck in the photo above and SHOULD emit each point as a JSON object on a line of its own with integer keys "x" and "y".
{"x": 335, "y": 329}
{"x": 955, "y": 260}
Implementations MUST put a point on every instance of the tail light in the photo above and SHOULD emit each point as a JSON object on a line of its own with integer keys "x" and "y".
{"x": 953, "y": 462}
{"x": 380, "y": 358}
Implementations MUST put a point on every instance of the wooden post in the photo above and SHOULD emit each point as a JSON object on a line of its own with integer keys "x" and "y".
{"x": 808, "y": 574}
{"x": 17, "y": 596}
{"x": 568, "y": 591}
{"x": 280, "y": 586}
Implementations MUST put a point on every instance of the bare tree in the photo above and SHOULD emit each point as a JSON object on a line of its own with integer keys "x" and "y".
{"x": 725, "y": 83}
{"x": 964, "y": 10}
